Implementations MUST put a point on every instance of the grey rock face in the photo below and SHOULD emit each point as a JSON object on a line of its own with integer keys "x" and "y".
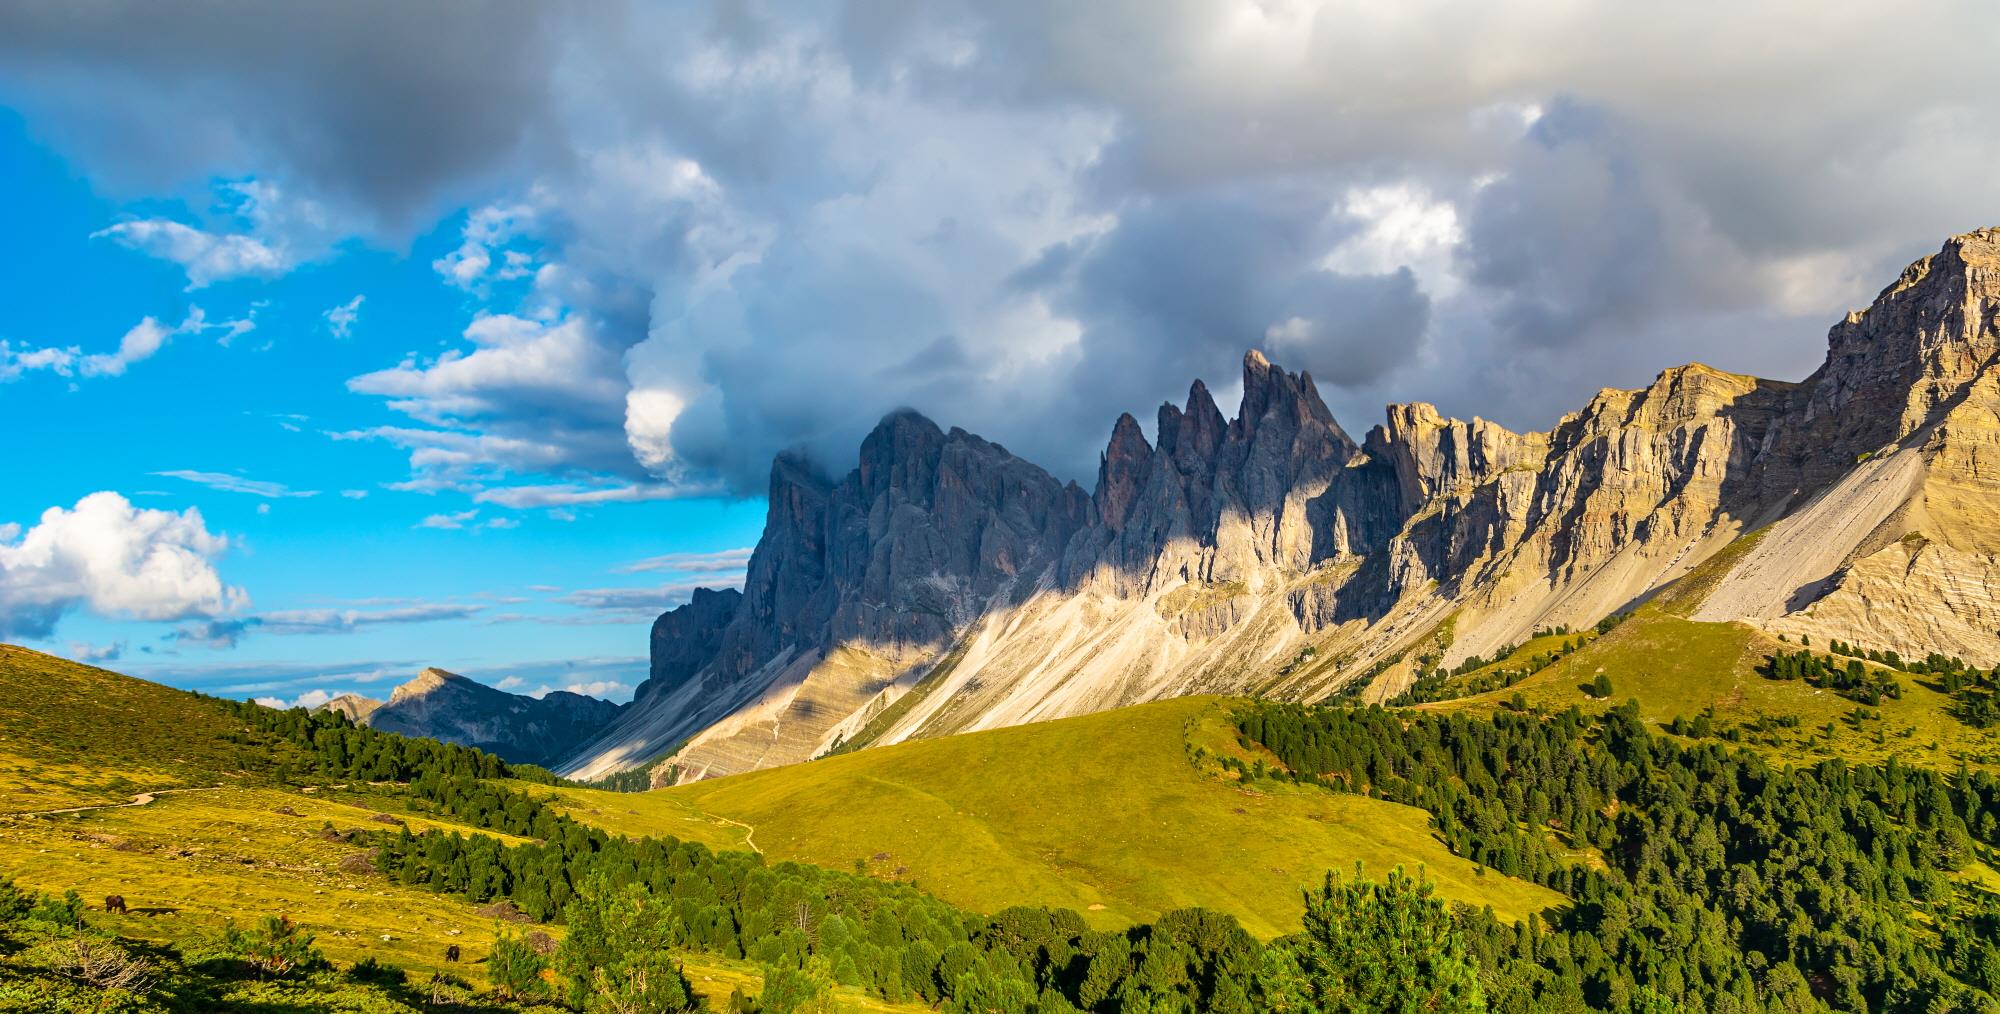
{"x": 686, "y": 638}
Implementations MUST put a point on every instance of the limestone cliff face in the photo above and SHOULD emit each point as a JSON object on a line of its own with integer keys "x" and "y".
{"x": 1272, "y": 552}
{"x": 446, "y": 706}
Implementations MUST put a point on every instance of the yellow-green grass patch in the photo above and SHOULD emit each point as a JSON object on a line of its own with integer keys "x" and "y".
{"x": 1105, "y": 814}
{"x": 190, "y": 860}
{"x": 1678, "y": 668}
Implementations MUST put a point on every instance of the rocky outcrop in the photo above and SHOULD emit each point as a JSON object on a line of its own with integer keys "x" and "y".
{"x": 1272, "y": 552}
{"x": 446, "y": 706}
{"x": 356, "y": 707}
{"x": 687, "y": 638}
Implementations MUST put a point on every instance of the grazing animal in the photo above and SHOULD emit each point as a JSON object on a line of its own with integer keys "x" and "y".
{"x": 115, "y": 903}
{"x": 451, "y": 953}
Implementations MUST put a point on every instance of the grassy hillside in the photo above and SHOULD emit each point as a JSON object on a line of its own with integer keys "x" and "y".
{"x": 222, "y": 839}
{"x": 1106, "y": 814}
{"x": 1676, "y": 667}
{"x": 72, "y": 734}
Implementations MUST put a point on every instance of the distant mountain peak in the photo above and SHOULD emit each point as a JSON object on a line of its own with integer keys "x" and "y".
{"x": 430, "y": 681}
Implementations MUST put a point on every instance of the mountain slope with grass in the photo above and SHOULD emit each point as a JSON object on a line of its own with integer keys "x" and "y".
{"x": 206, "y": 818}
{"x": 1122, "y": 816}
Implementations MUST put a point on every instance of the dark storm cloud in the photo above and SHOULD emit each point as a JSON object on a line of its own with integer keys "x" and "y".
{"x": 384, "y": 107}
{"x": 1181, "y": 286}
{"x": 769, "y": 223}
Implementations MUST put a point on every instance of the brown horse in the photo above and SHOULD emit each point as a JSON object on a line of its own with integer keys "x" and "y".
{"x": 115, "y": 903}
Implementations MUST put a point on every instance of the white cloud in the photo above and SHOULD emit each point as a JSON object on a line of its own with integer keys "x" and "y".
{"x": 309, "y": 700}
{"x": 144, "y": 339}
{"x": 503, "y": 523}
{"x": 1401, "y": 225}
{"x": 115, "y": 560}
{"x": 84, "y": 651}
{"x": 16, "y": 361}
{"x": 207, "y": 257}
{"x": 354, "y": 494}
{"x": 449, "y": 521}
{"x": 238, "y": 484}
{"x": 277, "y": 232}
{"x": 453, "y": 459}
{"x": 720, "y": 561}
{"x": 530, "y": 395}
{"x": 485, "y": 230}
{"x": 139, "y": 343}
{"x": 340, "y": 319}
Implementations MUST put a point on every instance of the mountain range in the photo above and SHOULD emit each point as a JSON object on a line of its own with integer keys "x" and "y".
{"x": 946, "y": 585}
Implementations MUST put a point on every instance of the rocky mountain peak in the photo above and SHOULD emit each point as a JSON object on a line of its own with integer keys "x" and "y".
{"x": 1291, "y": 400}
{"x": 1121, "y": 471}
{"x": 901, "y": 452}
{"x": 1889, "y": 367}
{"x": 443, "y": 705}
{"x": 430, "y": 681}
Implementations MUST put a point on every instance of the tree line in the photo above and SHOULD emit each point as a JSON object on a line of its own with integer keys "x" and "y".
{"x": 1703, "y": 878}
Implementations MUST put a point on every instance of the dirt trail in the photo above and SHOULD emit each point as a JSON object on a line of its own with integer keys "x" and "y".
{"x": 749, "y": 833}
{"x": 141, "y": 799}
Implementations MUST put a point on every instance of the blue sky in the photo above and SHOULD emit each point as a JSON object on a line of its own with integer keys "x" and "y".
{"x": 174, "y": 430}
{"x": 523, "y": 299}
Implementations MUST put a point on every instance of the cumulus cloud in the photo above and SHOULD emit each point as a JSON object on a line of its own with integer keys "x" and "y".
{"x": 114, "y": 559}
{"x": 278, "y": 232}
{"x": 703, "y": 236}
{"x": 309, "y": 700}
{"x": 530, "y": 395}
{"x": 207, "y": 257}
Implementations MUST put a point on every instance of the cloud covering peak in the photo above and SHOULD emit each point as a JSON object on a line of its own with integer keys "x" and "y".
{"x": 700, "y": 234}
